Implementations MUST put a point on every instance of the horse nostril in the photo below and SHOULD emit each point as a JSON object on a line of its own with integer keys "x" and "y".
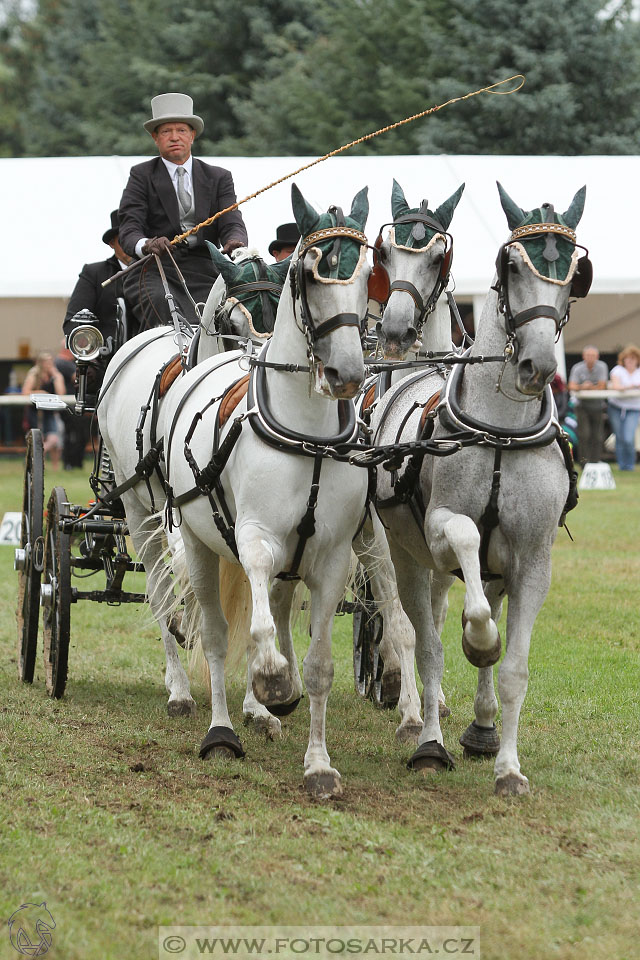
{"x": 332, "y": 376}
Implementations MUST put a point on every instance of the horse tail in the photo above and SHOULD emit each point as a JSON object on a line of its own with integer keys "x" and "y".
{"x": 235, "y": 600}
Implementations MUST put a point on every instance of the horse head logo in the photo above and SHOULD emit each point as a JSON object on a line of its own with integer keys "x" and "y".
{"x": 30, "y": 929}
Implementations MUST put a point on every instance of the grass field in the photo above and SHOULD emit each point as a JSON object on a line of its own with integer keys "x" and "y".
{"x": 107, "y": 813}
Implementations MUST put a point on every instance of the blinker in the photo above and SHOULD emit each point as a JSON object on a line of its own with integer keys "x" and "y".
{"x": 582, "y": 278}
{"x": 379, "y": 283}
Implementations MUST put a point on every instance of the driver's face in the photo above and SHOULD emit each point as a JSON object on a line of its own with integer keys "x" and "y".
{"x": 174, "y": 140}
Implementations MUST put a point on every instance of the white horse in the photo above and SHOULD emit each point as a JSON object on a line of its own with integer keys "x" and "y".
{"x": 493, "y": 507}
{"x": 412, "y": 266}
{"x": 129, "y": 387}
{"x": 272, "y": 499}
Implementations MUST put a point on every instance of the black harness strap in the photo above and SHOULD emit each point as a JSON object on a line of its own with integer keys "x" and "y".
{"x": 307, "y": 526}
{"x": 490, "y": 518}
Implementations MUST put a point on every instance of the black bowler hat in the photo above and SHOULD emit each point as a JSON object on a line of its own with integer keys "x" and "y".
{"x": 287, "y": 235}
{"x": 114, "y": 229}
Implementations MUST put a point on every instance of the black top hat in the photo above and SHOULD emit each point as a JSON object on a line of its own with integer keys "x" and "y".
{"x": 287, "y": 235}
{"x": 114, "y": 229}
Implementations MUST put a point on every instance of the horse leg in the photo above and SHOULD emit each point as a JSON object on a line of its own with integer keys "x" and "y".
{"x": 397, "y": 646}
{"x": 281, "y": 599}
{"x": 159, "y": 587}
{"x": 321, "y": 780}
{"x": 454, "y": 541}
{"x": 414, "y": 585}
{"x": 204, "y": 576}
{"x": 254, "y": 711}
{"x": 270, "y": 674}
{"x": 481, "y": 739}
{"x": 525, "y": 600}
{"x": 440, "y": 585}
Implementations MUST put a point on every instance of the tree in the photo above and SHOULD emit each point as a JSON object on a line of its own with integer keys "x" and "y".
{"x": 582, "y": 73}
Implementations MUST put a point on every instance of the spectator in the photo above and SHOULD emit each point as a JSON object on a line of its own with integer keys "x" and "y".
{"x": 8, "y": 433}
{"x": 44, "y": 377}
{"x": 590, "y": 374}
{"x": 624, "y": 412}
{"x": 165, "y": 197}
{"x": 287, "y": 236}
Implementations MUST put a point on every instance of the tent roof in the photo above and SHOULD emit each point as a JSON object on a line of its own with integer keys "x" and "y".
{"x": 55, "y": 210}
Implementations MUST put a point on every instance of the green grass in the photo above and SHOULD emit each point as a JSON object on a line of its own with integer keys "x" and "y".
{"x": 116, "y": 851}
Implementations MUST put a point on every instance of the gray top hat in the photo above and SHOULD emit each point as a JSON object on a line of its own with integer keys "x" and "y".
{"x": 173, "y": 107}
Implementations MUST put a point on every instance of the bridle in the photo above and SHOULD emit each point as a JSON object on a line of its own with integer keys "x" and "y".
{"x": 312, "y": 329}
{"x": 242, "y": 292}
{"x": 380, "y": 286}
{"x": 580, "y": 281}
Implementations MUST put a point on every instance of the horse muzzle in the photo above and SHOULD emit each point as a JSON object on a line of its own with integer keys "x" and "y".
{"x": 533, "y": 376}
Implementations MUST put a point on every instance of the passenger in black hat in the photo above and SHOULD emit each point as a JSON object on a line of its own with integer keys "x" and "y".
{"x": 287, "y": 236}
{"x": 89, "y": 294}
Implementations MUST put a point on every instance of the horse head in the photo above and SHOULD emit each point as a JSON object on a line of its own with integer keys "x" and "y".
{"x": 537, "y": 270}
{"x": 413, "y": 260}
{"x": 244, "y": 299}
{"x": 329, "y": 291}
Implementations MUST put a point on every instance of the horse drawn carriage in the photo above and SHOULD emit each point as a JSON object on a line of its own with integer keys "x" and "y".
{"x": 68, "y": 540}
{"x": 227, "y": 464}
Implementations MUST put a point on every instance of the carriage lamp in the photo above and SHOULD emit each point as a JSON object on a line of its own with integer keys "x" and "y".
{"x": 85, "y": 342}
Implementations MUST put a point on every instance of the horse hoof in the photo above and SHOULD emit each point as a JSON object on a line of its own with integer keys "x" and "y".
{"x": 481, "y": 658}
{"x": 221, "y": 742}
{"x": 181, "y": 708}
{"x": 408, "y": 732}
{"x": 443, "y": 710}
{"x": 512, "y": 785}
{"x": 283, "y": 709}
{"x": 325, "y": 785}
{"x": 175, "y": 628}
{"x": 431, "y": 757}
{"x": 273, "y": 688}
{"x": 480, "y": 741}
{"x": 270, "y": 726}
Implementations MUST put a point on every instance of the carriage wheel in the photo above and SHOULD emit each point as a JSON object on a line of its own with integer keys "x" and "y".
{"x": 367, "y": 630}
{"x": 56, "y": 596}
{"x": 28, "y": 559}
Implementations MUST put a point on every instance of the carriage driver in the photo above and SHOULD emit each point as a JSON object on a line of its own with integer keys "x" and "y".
{"x": 167, "y": 196}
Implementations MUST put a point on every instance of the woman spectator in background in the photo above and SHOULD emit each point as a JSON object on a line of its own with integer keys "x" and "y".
{"x": 624, "y": 412}
{"x": 45, "y": 377}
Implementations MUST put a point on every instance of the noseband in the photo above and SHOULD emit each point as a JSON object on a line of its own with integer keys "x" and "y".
{"x": 382, "y": 288}
{"x": 312, "y": 329}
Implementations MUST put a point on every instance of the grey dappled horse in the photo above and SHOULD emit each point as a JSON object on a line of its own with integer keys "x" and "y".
{"x": 492, "y": 508}
{"x": 278, "y": 506}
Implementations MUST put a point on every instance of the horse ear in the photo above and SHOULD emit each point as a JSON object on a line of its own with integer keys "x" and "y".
{"x": 229, "y": 270}
{"x": 360, "y": 207}
{"x": 576, "y": 209}
{"x": 305, "y": 215}
{"x": 445, "y": 211}
{"x": 515, "y": 215}
{"x": 281, "y": 268}
{"x": 399, "y": 205}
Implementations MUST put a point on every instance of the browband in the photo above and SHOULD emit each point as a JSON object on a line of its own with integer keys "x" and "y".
{"x": 319, "y": 235}
{"x": 531, "y": 229}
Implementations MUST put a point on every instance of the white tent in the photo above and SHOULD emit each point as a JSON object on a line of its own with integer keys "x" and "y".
{"x": 55, "y": 211}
